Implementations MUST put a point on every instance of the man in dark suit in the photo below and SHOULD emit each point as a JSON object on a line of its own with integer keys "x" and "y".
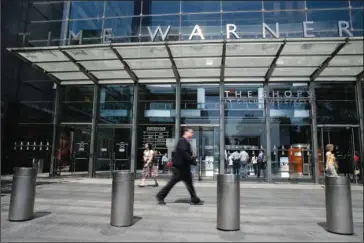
{"x": 182, "y": 161}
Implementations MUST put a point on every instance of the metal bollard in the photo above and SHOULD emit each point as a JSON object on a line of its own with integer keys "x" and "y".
{"x": 122, "y": 202}
{"x": 23, "y": 194}
{"x": 228, "y": 202}
{"x": 339, "y": 213}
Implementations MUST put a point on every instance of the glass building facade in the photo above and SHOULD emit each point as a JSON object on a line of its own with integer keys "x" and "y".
{"x": 99, "y": 121}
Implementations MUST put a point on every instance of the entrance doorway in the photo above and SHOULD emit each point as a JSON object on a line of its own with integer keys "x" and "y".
{"x": 345, "y": 139}
{"x": 73, "y": 153}
{"x": 206, "y": 146}
{"x": 113, "y": 150}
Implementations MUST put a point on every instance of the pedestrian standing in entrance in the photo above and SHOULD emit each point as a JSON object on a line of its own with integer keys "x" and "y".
{"x": 150, "y": 165}
{"x": 260, "y": 163}
{"x": 254, "y": 161}
{"x": 244, "y": 159}
{"x": 331, "y": 163}
{"x": 182, "y": 161}
{"x": 235, "y": 157}
{"x": 164, "y": 162}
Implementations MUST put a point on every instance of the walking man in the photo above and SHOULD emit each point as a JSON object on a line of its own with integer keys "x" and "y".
{"x": 182, "y": 161}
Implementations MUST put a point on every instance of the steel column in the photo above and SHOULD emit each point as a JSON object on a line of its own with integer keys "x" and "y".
{"x": 134, "y": 130}
{"x": 314, "y": 133}
{"x": 177, "y": 126}
{"x": 222, "y": 128}
{"x": 359, "y": 100}
{"x": 268, "y": 171}
{"x": 56, "y": 123}
{"x": 93, "y": 142}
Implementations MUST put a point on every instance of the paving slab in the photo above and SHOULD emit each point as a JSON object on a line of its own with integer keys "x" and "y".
{"x": 79, "y": 211}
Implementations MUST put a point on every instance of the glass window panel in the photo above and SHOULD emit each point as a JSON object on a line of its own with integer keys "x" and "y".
{"x": 122, "y": 8}
{"x": 102, "y": 65}
{"x": 249, "y": 24}
{"x": 290, "y": 23}
{"x": 248, "y": 61}
{"x": 326, "y": 4}
{"x": 340, "y": 60}
{"x": 91, "y": 53}
{"x": 357, "y": 21}
{"x": 300, "y": 61}
{"x": 143, "y": 51}
{"x": 252, "y": 49}
{"x": 77, "y": 103}
{"x": 40, "y": 31}
{"x": 123, "y": 29}
{"x": 245, "y": 72}
{"x": 164, "y": 7}
{"x": 312, "y": 48}
{"x": 210, "y": 25}
{"x": 111, "y": 74}
{"x": 157, "y": 73}
{"x": 283, "y": 5}
{"x": 200, "y": 6}
{"x": 47, "y": 11}
{"x": 116, "y": 103}
{"x": 353, "y": 47}
{"x": 356, "y": 3}
{"x": 149, "y": 63}
{"x": 202, "y": 50}
{"x": 199, "y": 104}
{"x": 58, "y": 66}
{"x": 341, "y": 71}
{"x": 70, "y": 76}
{"x": 89, "y": 28}
{"x": 197, "y": 62}
{"x": 241, "y": 5}
{"x": 44, "y": 56}
{"x": 163, "y": 22}
{"x": 326, "y": 21}
{"x": 293, "y": 72}
{"x": 191, "y": 73}
{"x": 84, "y": 10}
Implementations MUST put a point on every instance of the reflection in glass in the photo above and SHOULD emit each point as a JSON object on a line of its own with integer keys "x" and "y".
{"x": 326, "y": 22}
{"x": 122, "y": 8}
{"x": 116, "y": 104}
{"x": 312, "y": 4}
{"x": 210, "y": 25}
{"x": 290, "y": 23}
{"x": 199, "y": 104}
{"x": 357, "y": 20}
{"x": 200, "y": 6}
{"x": 164, "y": 7}
{"x": 284, "y": 5}
{"x": 77, "y": 103}
{"x": 336, "y": 104}
{"x": 249, "y": 24}
{"x": 241, "y": 5}
{"x": 123, "y": 29}
{"x": 89, "y": 9}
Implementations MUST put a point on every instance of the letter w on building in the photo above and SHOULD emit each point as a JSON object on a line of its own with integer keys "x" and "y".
{"x": 160, "y": 31}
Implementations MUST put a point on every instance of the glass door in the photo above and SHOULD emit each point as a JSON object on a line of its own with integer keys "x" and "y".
{"x": 74, "y": 148}
{"x": 113, "y": 150}
{"x": 346, "y": 143}
{"x": 205, "y": 145}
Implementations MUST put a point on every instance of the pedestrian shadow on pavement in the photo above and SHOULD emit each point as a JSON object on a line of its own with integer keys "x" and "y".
{"x": 183, "y": 200}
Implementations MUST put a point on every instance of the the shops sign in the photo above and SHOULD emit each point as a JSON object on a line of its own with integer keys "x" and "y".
{"x": 273, "y": 96}
{"x": 232, "y": 32}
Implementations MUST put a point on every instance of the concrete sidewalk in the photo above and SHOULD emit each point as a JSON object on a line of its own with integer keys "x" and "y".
{"x": 79, "y": 210}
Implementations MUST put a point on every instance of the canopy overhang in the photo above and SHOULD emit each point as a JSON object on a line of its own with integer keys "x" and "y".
{"x": 253, "y": 60}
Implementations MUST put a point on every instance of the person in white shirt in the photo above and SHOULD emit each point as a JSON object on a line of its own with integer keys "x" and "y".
{"x": 244, "y": 158}
{"x": 254, "y": 161}
{"x": 164, "y": 161}
{"x": 235, "y": 157}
